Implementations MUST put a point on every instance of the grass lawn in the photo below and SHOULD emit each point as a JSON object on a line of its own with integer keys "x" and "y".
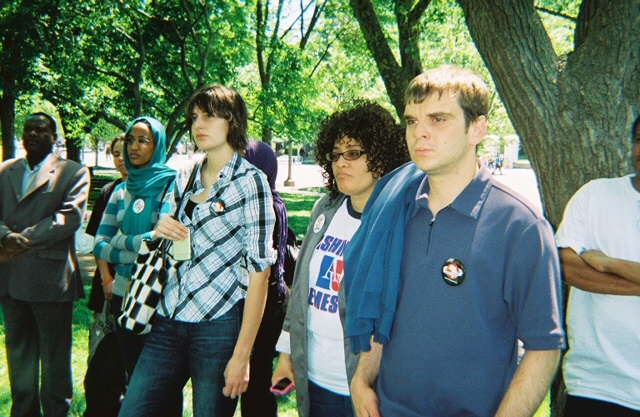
{"x": 298, "y": 206}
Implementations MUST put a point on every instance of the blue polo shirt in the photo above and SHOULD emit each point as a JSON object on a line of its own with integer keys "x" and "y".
{"x": 481, "y": 275}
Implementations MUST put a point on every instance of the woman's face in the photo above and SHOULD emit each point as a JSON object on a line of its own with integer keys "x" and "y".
{"x": 210, "y": 132}
{"x": 140, "y": 145}
{"x": 353, "y": 177}
{"x": 118, "y": 157}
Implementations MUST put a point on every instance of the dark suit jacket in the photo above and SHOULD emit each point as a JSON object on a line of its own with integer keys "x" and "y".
{"x": 48, "y": 214}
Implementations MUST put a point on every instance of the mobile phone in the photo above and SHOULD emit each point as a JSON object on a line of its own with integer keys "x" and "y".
{"x": 182, "y": 248}
{"x": 284, "y": 386}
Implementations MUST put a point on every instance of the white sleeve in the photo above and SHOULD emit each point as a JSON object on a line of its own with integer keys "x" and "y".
{"x": 284, "y": 343}
{"x": 573, "y": 231}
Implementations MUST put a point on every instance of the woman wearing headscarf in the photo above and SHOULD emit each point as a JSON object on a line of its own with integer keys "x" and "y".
{"x": 131, "y": 215}
{"x": 258, "y": 400}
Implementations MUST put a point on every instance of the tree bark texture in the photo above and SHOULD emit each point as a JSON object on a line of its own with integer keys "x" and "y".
{"x": 573, "y": 113}
{"x": 7, "y": 119}
{"x": 395, "y": 76}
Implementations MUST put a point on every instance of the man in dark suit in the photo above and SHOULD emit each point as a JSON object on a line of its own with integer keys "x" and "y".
{"x": 42, "y": 202}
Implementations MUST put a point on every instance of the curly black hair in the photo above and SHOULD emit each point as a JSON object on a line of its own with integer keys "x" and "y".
{"x": 376, "y": 131}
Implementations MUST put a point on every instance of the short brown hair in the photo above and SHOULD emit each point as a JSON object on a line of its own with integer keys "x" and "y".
{"x": 470, "y": 89}
{"x": 224, "y": 102}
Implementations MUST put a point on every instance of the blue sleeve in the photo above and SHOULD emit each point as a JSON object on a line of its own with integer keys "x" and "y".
{"x": 533, "y": 288}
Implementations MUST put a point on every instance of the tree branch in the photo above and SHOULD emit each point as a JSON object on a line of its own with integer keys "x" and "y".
{"x": 556, "y": 13}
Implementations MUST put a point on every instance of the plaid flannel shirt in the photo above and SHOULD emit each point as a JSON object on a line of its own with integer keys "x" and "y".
{"x": 231, "y": 236}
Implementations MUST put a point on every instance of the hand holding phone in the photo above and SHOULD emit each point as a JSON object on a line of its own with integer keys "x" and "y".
{"x": 284, "y": 386}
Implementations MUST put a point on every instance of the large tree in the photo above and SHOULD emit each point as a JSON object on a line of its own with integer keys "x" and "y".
{"x": 573, "y": 112}
{"x": 23, "y": 27}
{"x": 114, "y": 61}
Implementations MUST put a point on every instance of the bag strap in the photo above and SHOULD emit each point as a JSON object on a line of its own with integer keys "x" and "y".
{"x": 164, "y": 245}
{"x": 192, "y": 179}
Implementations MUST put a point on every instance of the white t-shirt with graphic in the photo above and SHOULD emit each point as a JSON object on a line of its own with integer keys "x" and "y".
{"x": 324, "y": 329}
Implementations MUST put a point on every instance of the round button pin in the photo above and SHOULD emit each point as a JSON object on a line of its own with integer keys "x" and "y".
{"x": 138, "y": 206}
{"x": 453, "y": 272}
{"x": 319, "y": 223}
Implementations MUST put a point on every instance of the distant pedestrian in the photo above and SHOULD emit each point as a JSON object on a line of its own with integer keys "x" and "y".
{"x": 497, "y": 164}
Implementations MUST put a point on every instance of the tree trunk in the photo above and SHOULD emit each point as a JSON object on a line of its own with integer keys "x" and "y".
{"x": 574, "y": 113}
{"x": 396, "y": 77}
{"x": 267, "y": 134}
{"x": 73, "y": 151}
{"x": 7, "y": 119}
{"x": 73, "y": 143}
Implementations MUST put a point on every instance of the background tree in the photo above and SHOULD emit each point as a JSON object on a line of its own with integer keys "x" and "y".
{"x": 396, "y": 75}
{"x": 281, "y": 64}
{"x": 114, "y": 61}
{"x": 23, "y": 26}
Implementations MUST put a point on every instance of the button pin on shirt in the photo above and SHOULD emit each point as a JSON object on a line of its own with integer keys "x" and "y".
{"x": 453, "y": 272}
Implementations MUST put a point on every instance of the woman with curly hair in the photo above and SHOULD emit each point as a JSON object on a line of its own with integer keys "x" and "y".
{"x": 355, "y": 147}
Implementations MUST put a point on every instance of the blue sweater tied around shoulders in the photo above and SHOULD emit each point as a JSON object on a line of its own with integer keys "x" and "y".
{"x": 373, "y": 258}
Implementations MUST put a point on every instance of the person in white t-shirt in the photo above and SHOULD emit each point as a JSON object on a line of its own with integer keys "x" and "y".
{"x": 355, "y": 147}
{"x": 599, "y": 241}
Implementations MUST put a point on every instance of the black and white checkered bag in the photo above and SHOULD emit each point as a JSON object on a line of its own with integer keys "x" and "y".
{"x": 153, "y": 266}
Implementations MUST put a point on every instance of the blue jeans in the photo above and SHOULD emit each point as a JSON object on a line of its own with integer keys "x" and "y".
{"x": 176, "y": 351}
{"x": 325, "y": 403}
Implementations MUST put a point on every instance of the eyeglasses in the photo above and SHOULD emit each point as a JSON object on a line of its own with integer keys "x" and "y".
{"x": 129, "y": 140}
{"x": 348, "y": 155}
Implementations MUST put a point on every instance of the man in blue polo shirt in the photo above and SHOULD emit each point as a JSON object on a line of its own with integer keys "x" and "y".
{"x": 477, "y": 271}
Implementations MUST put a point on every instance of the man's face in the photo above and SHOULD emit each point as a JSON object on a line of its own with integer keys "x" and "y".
{"x": 37, "y": 136}
{"x": 438, "y": 139}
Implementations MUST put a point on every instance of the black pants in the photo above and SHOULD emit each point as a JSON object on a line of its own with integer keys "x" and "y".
{"x": 38, "y": 336}
{"x": 258, "y": 401}
{"x": 587, "y": 407}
